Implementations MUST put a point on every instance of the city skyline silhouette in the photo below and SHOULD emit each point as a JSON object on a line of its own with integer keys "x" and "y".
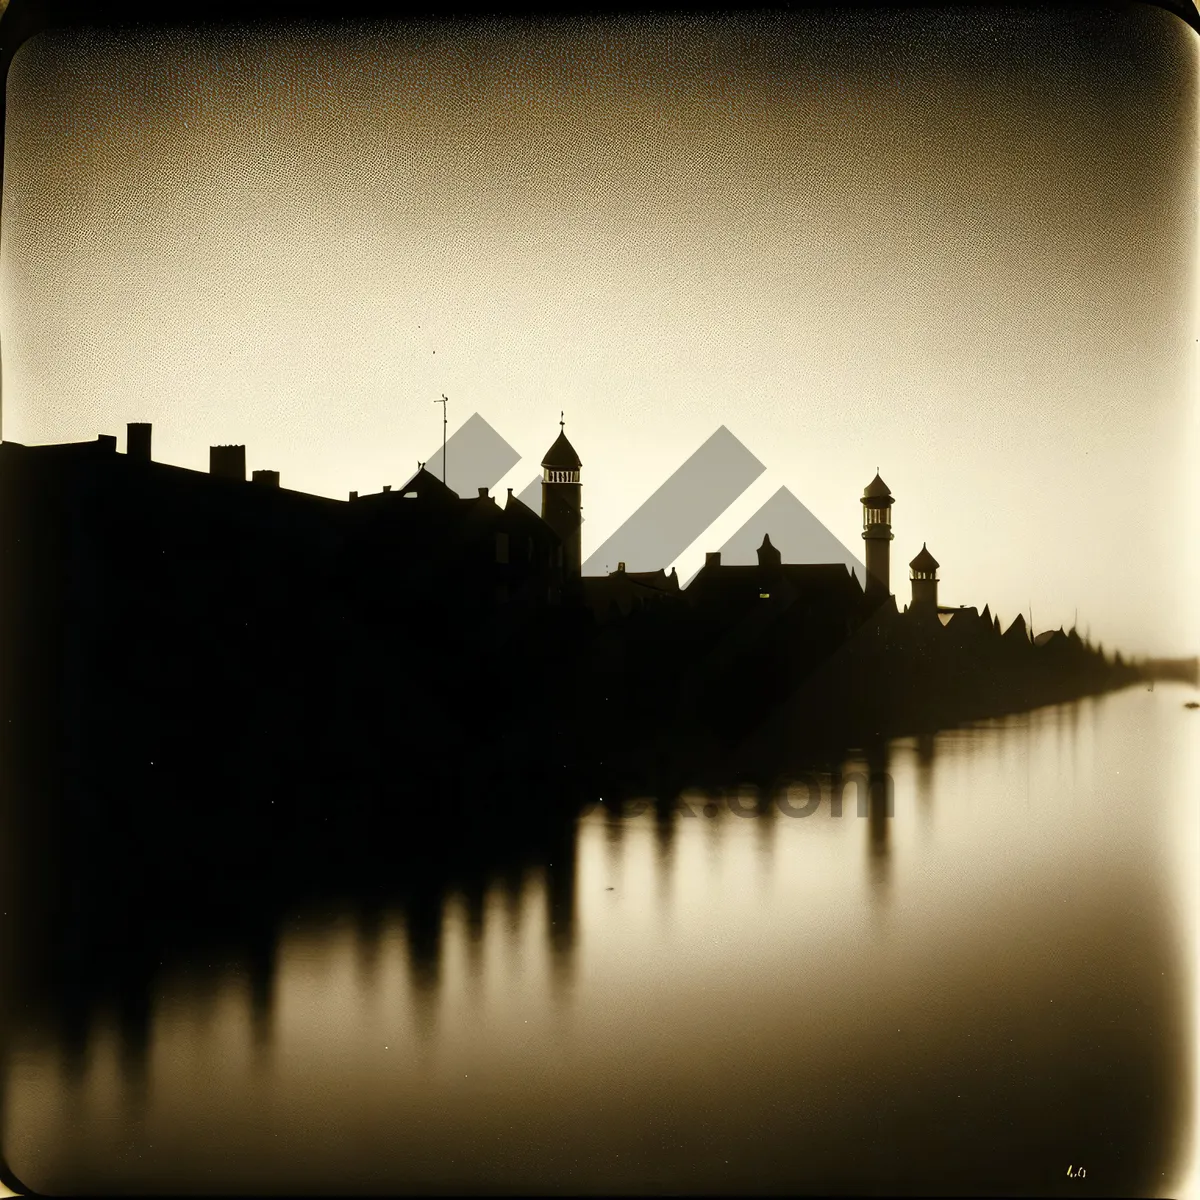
{"x": 598, "y": 603}
{"x": 951, "y": 279}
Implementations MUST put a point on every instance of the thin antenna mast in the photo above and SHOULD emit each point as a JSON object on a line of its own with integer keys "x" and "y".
{"x": 443, "y": 402}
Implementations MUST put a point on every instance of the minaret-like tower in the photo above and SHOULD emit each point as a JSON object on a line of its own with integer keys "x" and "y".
{"x": 877, "y": 533}
{"x": 924, "y": 581}
{"x": 562, "y": 500}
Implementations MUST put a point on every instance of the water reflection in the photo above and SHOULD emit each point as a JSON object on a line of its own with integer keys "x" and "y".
{"x": 668, "y": 811}
{"x": 647, "y": 1002}
{"x": 473, "y": 895}
{"x": 925, "y": 747}
{"x": 560, "y": 887}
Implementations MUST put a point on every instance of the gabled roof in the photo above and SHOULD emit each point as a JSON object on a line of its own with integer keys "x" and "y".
{"x": 516, "y": 509}
{"x": 924, "y": 561}
{"x": 427, "y": 486}
{"x": 877, "y": 490}
{"x": 561, "y": 456}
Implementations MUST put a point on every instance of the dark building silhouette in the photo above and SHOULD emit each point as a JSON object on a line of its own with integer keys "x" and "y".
{"x": 621, "y": 592}
{"x": 253, "y": 640}
{"x": 137, "y": 440}
{"x": 222, "y": 696}
{"x": 1018, "y": 632}
{"x": 227, "y": 462}
{"x": 924, "y": 580}
{"x": 423, "y": 540}
{"x": 1054, "y": 638}
{"x": 773, "y": 585}
{"x": 562, "y": 501}
{"x": 877, "y": 533}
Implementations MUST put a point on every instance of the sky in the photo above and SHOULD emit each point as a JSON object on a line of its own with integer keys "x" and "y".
{"x": 957, "y": 247}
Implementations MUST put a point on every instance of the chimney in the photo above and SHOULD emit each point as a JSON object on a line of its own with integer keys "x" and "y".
{"x": 712, "y": 558}
{"x": 106, "y": 442}
{"x": 353, "y": 495}
{"x": 270, "y": 478}
{"x": 621, "y": 568}
{"x": 229, "y": 462}
{"x": 483, "y": 493}
{"x": 137, "y": 440}
{"x": 387, "y": 487}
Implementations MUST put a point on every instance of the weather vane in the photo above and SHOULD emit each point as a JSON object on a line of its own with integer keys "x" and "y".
{"x": 561, "y": 421}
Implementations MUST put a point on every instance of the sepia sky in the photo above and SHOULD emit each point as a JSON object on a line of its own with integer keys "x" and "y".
{"x": 956, "y": 247}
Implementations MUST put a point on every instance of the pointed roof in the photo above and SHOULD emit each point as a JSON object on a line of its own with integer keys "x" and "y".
{"x": 561, "y": 456}
{"x": 1017, "y": 628}
{"x": 425, "y": 483}
{"x": 877, "y": 490}
{"x": 924, "y": 561}
{"x": 768, "y": 554}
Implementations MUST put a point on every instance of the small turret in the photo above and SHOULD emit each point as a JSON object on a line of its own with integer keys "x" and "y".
{"x": 924, "y": 581}
{"x": 877, "y": 503}
{"x": 562, "y": 500}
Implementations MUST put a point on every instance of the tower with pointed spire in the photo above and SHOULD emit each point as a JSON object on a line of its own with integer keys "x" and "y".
{"x": 924, "y": 580}
{"x": 562, "y": 500}
{"x": 877, "y": 533}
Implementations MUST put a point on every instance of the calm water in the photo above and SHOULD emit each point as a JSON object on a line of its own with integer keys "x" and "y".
{"x": 989, "y": 987}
